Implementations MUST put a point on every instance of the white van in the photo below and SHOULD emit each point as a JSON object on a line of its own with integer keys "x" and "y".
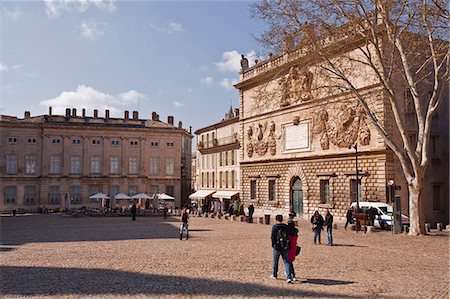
{"x": 384, "y": 215}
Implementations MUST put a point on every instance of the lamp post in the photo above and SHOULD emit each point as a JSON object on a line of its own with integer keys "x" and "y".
{"x": 355, "y": 146}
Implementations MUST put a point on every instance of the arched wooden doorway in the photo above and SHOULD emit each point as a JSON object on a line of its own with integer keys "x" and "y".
{"x": 297, "y": 195}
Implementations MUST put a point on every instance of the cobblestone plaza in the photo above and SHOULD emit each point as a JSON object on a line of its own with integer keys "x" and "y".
{"x": 53, "y": 256}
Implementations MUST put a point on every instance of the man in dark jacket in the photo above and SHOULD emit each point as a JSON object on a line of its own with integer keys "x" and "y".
{"x": 280, "y": 246}
{"x": 251, "y": 210}
{"x": 317, "y": 225}
{"x": 349, "y": 217}
{"x": 329, "y": 224}
{"x": 133, "y": 211}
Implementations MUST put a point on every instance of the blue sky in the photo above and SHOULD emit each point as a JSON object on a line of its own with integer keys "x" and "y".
{"x": 177, "y": 58}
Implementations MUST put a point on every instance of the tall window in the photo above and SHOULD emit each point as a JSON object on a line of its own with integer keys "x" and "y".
{"x": 226, "y": 158}
{"x": 170, "y": 166}
{"x": 133, "y": 164}
{"x": 54, "y": 195}
{"x": 437, "y": 197}
{"x": 75, "y": 194}
{"x": 132, "y": 190}
{"x": 75, "y": 164}
{"x": 11, "y": 164}
{"x": 232, "y": 179}
{"x": 114, "y": 166}
{"x": 29, "y": 195}
{"x": 232, "y": 157}
{"x": 203, "y": 179}
{"x": 220, "y": 179}
{"x": 353, "y": 187}
{"x": 154, "y": 166}
{"x": 55, "y": 164}
{"x": 30, "y": 164}
{"x": 154, "y": 189}
{"x": 252, "y": 189}
{"x": 113, "y": 190}
{"x": 434, "y": 151}
{"x": 207, "y": 179}
{"x": 226, "y": 179}
{"x": 272, "y": 190}
{"x": 95, "y": 164}
{"x": 207, "y": 140}
{"x": 220, "y": 159}
{"x": 94, "y": 189}
{"x": 213, "y": 179}
{"x": 170, "y": 190}
{"x": 10, "y": 194}
{"x": 324, "y": 191}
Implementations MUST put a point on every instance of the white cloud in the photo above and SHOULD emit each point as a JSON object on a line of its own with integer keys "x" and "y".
{"x": 92, "y": 30}
{"x": 207, "y": 80}
{"x": 14, "y": 15}
{"x": 170, "y": 27}
{"x": 231, "y": 61}
{"x": 54, "y": 8}
{"x": 189, "y": 90}
{"x": 4, "y": 67}
{"x": 178, "y": 104}
{"x": 90, "y": 98}
{"x": 228, "y": 83}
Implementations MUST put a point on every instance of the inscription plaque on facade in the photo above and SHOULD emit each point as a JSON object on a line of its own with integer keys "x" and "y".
{"x": 296, "y": 137}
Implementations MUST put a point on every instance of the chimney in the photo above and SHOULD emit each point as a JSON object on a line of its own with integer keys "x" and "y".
{"x": 190, "y": 129}
{"x": 106, "y": 114}
{"x": 26, "y": 115}
{"x": 74, "y": 112}
{"x": 180, "y": 125}
{"x": 83, "y": 112}
{"x": 50, "y": 110}
{"x": 126, "y": 115}
{"x": 157, "y": 117}
{"x": 154, "y": 116}
{"x": 170, "y": 120}
{"x": 95, "y": 113}
{"x": 67, "y": 112}
{"x": 236, "y": 112}
{"x": 135, "y": 115}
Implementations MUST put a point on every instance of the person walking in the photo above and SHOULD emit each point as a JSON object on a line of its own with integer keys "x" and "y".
{"x": 133, "y": 211}
{"x": 251, "y": 210}
{"x": 165, "y": 210}
{"x": 293, "y": 236}
{"x": 280, "y": 246}
{"x": 317, "y": 225}
{"x": 329, "y": 225}
{"x": 349, "y": 217}
{"x": 184, "y": 223}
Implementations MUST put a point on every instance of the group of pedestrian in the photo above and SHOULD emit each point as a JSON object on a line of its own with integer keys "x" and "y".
{"x": 318, "y": 224}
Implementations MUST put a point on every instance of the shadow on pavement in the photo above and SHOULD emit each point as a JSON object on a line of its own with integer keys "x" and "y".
{"x": 35, "y": 281}
{"x": 6, "y": 249}
{"x": 347, "y": 245}
{"x": 328, "y": 282}
{"x": 41, "y": 228}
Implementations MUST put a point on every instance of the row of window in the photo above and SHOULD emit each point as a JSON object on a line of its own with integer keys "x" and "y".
{"x": 227, "y": 179}
{"x": 95, "y": 165}
{"x": 15, "y": 140}
{"x": 30, "y": 194}
{"x": 225, "y": 159}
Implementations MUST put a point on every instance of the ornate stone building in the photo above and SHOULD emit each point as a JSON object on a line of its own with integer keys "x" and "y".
{"x": 58, "y": 161}
{"x": 218, "y": 163}
{"x": 298, "y": 141}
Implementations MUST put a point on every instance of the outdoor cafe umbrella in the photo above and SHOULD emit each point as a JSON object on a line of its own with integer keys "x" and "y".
{"x": 166, "y": 197}
{"x": 122, "y": 196}
{"x": 101, "y": 196}
{"x": 141, "y": 196}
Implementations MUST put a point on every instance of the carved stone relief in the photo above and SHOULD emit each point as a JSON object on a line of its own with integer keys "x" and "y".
{"x": 343, "y": 127}
{"x": 295, "y": 86}
{"x": 260, "y": 140}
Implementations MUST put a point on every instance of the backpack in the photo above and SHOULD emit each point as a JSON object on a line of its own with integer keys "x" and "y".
{"x": 282, "y": 241}
{"x": 184, "y": 218}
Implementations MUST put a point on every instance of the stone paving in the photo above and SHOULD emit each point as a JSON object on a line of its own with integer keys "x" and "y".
{"x": 52, "y": 256}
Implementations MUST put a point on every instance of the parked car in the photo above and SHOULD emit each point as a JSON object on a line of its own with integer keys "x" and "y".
{"x": 384, "y": 212}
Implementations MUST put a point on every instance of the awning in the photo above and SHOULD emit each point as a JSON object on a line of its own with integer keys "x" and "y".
{"x": 200, "y": 194}
{"x": 225, "y": 194}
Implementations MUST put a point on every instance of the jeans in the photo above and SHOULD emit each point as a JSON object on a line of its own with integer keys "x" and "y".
{"x": 291, "y": 268}
{"x": 284, "y": 257}
{"x": 317, "y": 232}
{"x": 184, "y": 226}
{"x": 330, "y": 234}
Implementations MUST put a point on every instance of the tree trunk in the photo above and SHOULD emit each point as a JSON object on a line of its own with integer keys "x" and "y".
{"x": 416, "y": 224}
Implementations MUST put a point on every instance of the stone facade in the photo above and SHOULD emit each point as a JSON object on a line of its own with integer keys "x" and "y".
{"x": 44, "y": 158}
{"x": 298, "y": 141}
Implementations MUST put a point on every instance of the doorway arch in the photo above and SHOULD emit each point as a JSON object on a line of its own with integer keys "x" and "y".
{"x": 296, "y": 190}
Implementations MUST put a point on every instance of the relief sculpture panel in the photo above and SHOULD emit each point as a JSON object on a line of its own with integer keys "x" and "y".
{"x": 341, "y": 126}
{"x": 261, "y": 138}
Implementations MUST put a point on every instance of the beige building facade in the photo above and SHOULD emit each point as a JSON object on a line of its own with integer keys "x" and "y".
{"x": 58, "y": 161}
{"x": 217, "y": 163}
{"x": 299, "y": 141}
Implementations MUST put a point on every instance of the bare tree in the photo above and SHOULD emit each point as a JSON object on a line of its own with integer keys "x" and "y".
{"x": 402, "y": 41}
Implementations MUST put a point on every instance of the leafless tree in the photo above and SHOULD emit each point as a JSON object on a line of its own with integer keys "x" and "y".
{"x": 402, "y": 41}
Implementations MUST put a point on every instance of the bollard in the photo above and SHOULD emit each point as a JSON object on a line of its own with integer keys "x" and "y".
{"x": 261, "y": 220}
{"x": 370, "y": 229}
{"x": 241, "y": 218}
{"x": 233, "y": 217}
{"x": 405, "y": 229}
{"x": 439, "y": 227}
{"x": 427, "y": 227}
{"x": 334, "y": 225}
{"x": 267, "y": 219}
